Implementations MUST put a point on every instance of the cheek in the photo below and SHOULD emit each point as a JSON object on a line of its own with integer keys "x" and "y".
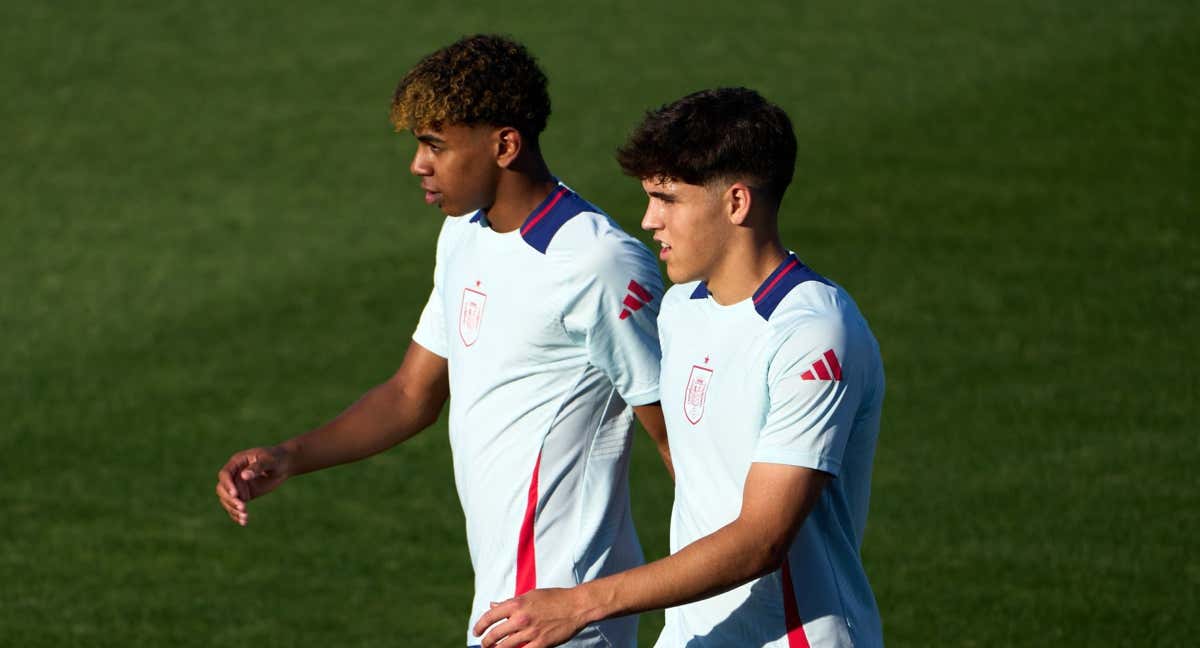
{"x": 700, "y": 242}
{"x": 699, "y": 231}
{"x": 456, "y": 173}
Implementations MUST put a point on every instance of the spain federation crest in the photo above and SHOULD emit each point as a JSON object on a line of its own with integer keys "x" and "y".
{"x": 696, "y": 393}
{"x": 470, "y": 315}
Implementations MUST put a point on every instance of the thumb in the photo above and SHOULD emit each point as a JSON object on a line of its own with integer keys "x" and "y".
{"x": 258, "y": 467}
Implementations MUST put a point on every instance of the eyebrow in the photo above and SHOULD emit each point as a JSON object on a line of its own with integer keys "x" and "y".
{"x": 661, "y": 195}
{"x": 430, "y": 139}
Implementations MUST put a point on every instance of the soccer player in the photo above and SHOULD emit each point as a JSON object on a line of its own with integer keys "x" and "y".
{"x": 772, "y": 386}
{"x": 541, "y": 330}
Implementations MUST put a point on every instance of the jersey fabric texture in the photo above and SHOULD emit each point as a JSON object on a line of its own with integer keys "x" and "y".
{"x": 789, "y": 376}
{"x": 550, "y": 335}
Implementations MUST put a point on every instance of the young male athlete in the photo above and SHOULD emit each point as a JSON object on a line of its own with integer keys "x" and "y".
{"x": 540, "y": 328}
{"x": 772, "y": 386}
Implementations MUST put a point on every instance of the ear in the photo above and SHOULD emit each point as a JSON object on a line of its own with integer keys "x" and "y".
{"x": 738, "y": 200}
{"x": 508, "y": 145}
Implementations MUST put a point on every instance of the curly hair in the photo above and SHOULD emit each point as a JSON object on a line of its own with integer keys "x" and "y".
{"x": 481, "y": 79}
{"x": 714, "y": 134}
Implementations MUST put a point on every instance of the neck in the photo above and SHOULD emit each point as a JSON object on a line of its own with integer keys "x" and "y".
{"x": 747, "y": 263}
{"x": 521, "y": 188}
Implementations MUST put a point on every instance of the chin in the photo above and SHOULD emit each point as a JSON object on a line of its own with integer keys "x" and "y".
{"x": 679, "y": 275}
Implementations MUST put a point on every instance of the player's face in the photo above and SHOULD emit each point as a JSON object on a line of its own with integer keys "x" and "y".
{"x": 689, "y": 224}
{"x": 457, "y": 167}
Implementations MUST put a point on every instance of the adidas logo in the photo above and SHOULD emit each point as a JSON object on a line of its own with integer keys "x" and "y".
{"x": 637, "y": 297}
{"x": 821, "y": 371}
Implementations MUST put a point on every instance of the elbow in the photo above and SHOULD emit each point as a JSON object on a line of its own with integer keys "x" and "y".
{"x": 426, "y": 406}
{"x": 422, "y": 403}
{"x": 768, "y": 553}
{"x": 769, "y": 559}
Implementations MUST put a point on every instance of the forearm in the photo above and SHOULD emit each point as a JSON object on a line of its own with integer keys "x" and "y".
{"x": 384, "y": 417}
{"x": 733, "y": 555}
{"x": 775, "y": 500}
{"x": 651, "y": 418}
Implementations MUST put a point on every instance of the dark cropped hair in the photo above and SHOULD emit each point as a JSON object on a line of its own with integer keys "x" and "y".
{"x": 481, "y": 79}
{"x": 715, "y": 134}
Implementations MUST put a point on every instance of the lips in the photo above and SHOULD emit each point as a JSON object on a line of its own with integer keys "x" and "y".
{"x": 431, "y": 195}
{"x": 664, "y": 251}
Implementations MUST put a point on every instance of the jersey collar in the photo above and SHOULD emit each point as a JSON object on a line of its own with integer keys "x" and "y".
{"x": 791, "y": 272}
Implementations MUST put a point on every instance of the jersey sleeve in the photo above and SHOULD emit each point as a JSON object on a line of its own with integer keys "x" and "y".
{"x": 814, "y": 399}
{"x": 431, "y": 328}
{"x": 617, "y": 314}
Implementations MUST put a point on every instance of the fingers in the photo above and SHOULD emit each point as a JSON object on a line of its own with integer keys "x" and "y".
{"x": 508, "y": 632}
{"x": 236, "y": 508}
{"x": 246, "y": 475}
{"x": 225, "y": 482}
{"x": 259, "y": 464}
{"x": 232, "y": 491}
{"x": 498, "y": 612}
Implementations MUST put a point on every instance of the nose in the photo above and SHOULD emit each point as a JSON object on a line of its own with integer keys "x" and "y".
{"x": 651, "y": 220}
{"x": 420, "y": 164}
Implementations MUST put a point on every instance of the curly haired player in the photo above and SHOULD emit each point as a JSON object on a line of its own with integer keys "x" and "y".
{"x": 541, "y": 324}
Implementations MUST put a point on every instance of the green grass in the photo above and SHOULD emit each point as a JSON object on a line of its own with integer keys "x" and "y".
{"x": 209, "y": 239}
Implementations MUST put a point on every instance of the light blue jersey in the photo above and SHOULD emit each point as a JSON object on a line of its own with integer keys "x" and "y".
{"x": 549, "y": 332}
{"x": 789, "y": 376}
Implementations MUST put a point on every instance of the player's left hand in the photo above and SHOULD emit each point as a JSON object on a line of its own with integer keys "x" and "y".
{"x": 537, "y": 619}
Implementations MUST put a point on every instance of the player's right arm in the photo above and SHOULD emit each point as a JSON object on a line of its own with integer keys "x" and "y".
{"x": 385, "y": 416}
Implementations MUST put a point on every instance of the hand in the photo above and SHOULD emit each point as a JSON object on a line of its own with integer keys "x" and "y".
{"x": 247, "y": 475}
{"x": 537, "y": 619}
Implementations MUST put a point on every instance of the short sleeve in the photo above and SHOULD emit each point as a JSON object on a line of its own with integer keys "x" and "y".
{"x": 814, "y": 399}
{"x": 617, "y": 312}
{"x": 431, "y": 328}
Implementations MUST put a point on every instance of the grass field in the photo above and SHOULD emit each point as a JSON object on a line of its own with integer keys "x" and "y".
{"x": 209, "y": 239}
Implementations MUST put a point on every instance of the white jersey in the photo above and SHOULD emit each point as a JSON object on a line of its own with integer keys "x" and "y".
{"x": 550, "y": 336}
{"x": 790, "y": 376}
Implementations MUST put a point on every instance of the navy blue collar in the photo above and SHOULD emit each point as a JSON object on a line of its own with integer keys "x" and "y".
{"x": 791, "y": 272}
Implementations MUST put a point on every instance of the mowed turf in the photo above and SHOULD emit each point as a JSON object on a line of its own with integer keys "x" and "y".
{"x": 209, "y": 239}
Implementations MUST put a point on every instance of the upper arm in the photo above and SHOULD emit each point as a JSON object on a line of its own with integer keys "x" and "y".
{"x": 815, "y": 391}
{"x": 422, "y": 381}
{"x": 815, "y": 394}
{"x": 776, "y": 499}
{"x": 431, "y": 328}
{"x": 617, "y": 312}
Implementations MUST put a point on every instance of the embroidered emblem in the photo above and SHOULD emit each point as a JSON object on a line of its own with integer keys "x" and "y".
{"x": 470, "y": 315}
{"x": 696, "y": 393}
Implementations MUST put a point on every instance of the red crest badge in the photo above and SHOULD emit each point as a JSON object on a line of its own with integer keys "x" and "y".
{"x": 470, "y": 315}
{"x": 696, "y": 393}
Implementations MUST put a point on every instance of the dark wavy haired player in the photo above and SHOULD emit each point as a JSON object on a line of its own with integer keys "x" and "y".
{"x": 772, "y": 385}
{"x": 541, "y": 324}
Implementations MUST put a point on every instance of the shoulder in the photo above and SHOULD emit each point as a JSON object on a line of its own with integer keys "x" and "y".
{"x": 812, "y": 308}
{"x": 559, "y": 221}
{"x": 593, "y": 244}
{"x": 819, "y": 324}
